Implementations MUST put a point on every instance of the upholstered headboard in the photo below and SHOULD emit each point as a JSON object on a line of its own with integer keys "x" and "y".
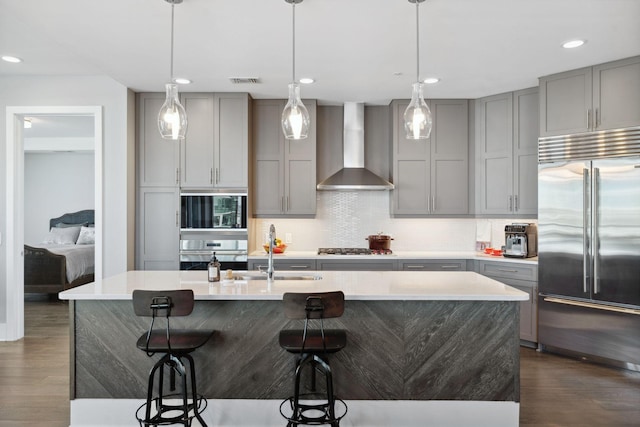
{"x": 80, "y": 217}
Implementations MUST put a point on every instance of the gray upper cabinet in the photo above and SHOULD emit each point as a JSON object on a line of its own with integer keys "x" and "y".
{"x": 214, "y": 153}
{"x": 431, "y": 176}
{"x": 284, "y": 174}
{"x": 605, "y": 96}
{"x": 506, "y": 153}
{"x": 158, "y": 159}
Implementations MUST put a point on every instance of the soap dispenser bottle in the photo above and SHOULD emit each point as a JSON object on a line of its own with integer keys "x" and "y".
{"x": 213, "y": 269}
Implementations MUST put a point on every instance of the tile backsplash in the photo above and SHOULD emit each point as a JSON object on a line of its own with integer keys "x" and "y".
{"x": 346, "y": 218}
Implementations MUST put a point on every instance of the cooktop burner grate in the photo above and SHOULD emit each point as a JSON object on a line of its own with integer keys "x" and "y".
{"x": 353, "y": 251}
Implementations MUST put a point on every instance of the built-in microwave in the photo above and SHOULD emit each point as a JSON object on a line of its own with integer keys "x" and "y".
{"x": 213, "y": 211}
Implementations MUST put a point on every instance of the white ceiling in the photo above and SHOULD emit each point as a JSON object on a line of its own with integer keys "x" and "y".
{"x": 353, "y": 48}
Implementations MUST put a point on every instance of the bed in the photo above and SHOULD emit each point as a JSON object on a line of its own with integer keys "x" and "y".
{"x": 62, "y": 263}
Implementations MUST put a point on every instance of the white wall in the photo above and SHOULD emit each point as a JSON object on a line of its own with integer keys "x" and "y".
{"x": 55, "y": 184}
{"x": 117, "y": 157}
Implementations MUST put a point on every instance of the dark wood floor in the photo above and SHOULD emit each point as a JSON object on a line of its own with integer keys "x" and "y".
{"x": 555, "y": 391}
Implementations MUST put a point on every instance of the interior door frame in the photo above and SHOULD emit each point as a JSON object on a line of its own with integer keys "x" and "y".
{"x": 14, "y": 326}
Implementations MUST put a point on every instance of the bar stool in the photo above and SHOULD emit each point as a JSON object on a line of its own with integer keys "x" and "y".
{"x": 175, "y": 347}
{"x": 312, "y": 347}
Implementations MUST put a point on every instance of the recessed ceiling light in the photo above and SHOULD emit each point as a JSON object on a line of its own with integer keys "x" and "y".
{"x": 181, "y": 81}
{"x": 431, "y": 80}
{"x": 306, "y": 80}
{"x": 12, "y": 59}
{"x": 572, "y": 44}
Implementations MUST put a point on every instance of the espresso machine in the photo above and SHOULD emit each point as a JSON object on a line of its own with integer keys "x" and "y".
{"x": 521, "y": 240}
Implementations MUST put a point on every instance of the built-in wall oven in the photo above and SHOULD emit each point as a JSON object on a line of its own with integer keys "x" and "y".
{"x": 213, "y": 222}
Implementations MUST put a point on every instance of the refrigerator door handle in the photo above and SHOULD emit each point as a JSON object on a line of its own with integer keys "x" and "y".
{"x": 596, "y": 244}
{"x": 585, "y": 241}
{"x": 592, "y": 305}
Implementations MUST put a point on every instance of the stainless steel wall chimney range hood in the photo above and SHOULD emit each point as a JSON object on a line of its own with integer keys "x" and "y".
{"x": 353, "y": 176}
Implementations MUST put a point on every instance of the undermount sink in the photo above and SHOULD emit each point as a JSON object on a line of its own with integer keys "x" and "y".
{"x": 277, "y": 277}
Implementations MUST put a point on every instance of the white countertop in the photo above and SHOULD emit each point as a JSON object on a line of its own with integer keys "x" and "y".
{"x": 260, "y": 254}
{"x": 356, "y": 285}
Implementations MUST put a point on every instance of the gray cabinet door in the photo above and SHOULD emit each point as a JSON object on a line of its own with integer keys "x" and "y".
{"x": 525, "y": 151}
{"x": 565, "y": 102}
{"x": 284, "y": 179}
{"x": 231, "y": 140}
{"x": 376, "y": 264}
{"x": 450, "y": 156}
{"x": 616, "y": 94}
{"x": 431, "y": 176}
{"x": 528, "y": 312}
{"x": 196, "y": 150}
{"x": 494, "y": 125}
{"x": 268, "y": 152}
{"x": 157, "y": 158}
{"x": 158, "y": 229}
{"x": 432, "y": 265}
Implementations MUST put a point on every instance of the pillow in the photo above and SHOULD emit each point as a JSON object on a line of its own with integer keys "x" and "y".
{"x": 63, "y": 235}
{"x": 87, "y": 236}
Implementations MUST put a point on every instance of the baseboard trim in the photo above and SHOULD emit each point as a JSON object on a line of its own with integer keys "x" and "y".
{"x": 265, "y": 413}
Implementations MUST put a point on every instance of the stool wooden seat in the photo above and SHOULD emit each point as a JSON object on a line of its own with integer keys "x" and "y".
{"x": 312, "y": 347}
{"x": 175, "y": 347}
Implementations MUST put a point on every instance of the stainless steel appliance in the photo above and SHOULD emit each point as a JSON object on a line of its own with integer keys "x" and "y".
{"x": 353, "y": 251}
{"x": 196, "y": 251}
{"x": 213, "y": 211}
{"x": 520, "y": 241}
{"x": 589, "y": 246}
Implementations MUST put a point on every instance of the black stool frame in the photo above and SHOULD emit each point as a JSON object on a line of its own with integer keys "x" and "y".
{"x": 166, "y": 304}
{"x": 313, "y": 347}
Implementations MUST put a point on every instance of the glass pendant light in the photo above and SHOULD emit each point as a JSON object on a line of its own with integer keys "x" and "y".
{"x": 295, "y": 116}
{"x": 172, "y": 118}
{"x": 417, "y": 116}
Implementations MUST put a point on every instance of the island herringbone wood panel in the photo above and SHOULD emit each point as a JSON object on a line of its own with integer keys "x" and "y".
{"x": 555, "y": 391}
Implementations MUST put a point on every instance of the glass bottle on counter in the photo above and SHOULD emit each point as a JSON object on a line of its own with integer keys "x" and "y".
{"x": 213, "y": 269}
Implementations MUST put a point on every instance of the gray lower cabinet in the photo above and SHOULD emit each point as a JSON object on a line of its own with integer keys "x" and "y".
{"x": 284, "y": 171}
{"x": 431, "y": 176}
{"x": 376, "y": 263}
{"x": 158, "y": 229}
{"x": 284, "y": 264}
{"x": 525, "y": 278}
{"x": 605, "y": 96}
{"x": 432, "y": 265}
{"x": 507, "y": 153}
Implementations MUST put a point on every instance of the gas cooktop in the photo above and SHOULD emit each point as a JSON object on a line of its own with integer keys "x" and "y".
{"x": 353, "y": 251}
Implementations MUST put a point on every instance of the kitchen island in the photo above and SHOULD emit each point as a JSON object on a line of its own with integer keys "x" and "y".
{"x": 441, "y": 346}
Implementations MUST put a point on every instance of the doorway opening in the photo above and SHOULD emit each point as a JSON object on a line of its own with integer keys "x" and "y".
{"x": 15, "y": 237}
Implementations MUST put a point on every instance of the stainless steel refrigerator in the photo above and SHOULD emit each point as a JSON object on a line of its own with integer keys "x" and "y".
{"x": 589, "y": 246}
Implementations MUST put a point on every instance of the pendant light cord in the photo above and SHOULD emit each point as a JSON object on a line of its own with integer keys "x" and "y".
{"x": 171, "y": 56}
{"x": 417, "y": 42}
{"x": 293, "y": 70}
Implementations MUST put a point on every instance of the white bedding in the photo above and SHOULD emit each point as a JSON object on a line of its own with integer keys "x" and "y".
{"x": 79, "y": 258}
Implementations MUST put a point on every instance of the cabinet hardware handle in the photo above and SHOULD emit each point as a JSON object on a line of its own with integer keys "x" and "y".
{"x": 592, "y": 305}
{"x": 450, "y": 266}
{"x": 282, "y": 204}
{"x": 299, "y": 267}
{"x": 597, "y": 121}
{"x": 177, "y": 219}
{"x": 510, "y": 203}
{"x": 217, "y": 176}
{"x": 414, "y": 266}
{"x": 287, "y": 198}
{"x": 589, "y": 118}
{"x": 177, "y": 176}
{"x": 515, "y": 204}
{"x": 504, "y": 270}
{"x": 211, "y": 176}
{"x": 433, "y": 204}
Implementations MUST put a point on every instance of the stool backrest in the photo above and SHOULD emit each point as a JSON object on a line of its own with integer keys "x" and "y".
{"x": 313, "y": 305}
{"x": 163, "y": 303}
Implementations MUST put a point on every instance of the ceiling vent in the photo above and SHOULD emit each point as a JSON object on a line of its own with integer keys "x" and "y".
{"x": 244, "y": 80}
